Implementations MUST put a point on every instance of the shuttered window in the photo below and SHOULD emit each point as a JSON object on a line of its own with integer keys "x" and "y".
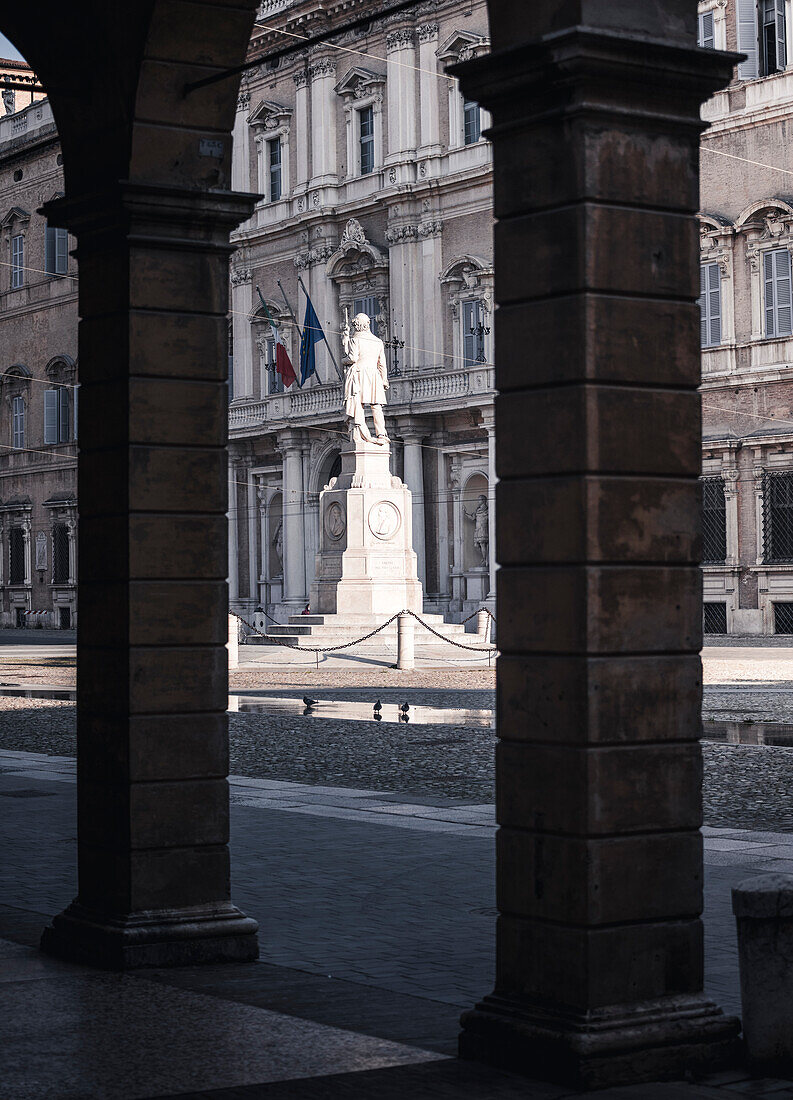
{"x": 705, "y": 36}
{"x": 16, "y": 556}
{"x": 772, "y": 36}
{"x": 366, "y": 139}
{"x": 18, "y": 422}
{"x": 274, "y": 159}
{"x": 748, "y": 40}
{"x": 371, "y": 307}
{"x": 473, "y": 336}
{"x": 56, "y": 252}
{"x": 710, "y": 305}
{"x": 778, "y": 311}
{"x": 50, "y": 416}
{"x": 17, "y": 261}
{"x": 63, "y": 414}
{"x": 472, "y": 122}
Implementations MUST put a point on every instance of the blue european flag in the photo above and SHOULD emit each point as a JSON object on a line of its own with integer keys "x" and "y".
{"x": 312, "y": 334}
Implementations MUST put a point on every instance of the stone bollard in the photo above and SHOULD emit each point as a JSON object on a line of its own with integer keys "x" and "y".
{"x": 234, "y": 643}
{"x": 483, "y": 625}
{"x": 406, "y": 658}
{"x": 763, "y": 909}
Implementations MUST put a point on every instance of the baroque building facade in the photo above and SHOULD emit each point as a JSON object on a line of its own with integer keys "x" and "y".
{"x": 376, "y": 187}
{"x": 38, "y": 375}
{"x": 746, "y": 240}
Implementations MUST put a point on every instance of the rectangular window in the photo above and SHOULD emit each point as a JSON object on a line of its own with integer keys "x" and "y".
{"x": 773, "y": 49}
{"x": 778, "y": 518}
{"x": 371, "y": 307}
{"x": 714, "y": 618}
{"x": 17, "y": 261}
{"x": 274, "y": 159}
{"x": 50, "y": 416}
{"x": 783, "y": 618}
{"x": 714, "y": 521}
{"x": 56, "y": 251}
{"x": 473, "y": 334}
{"x": 16, "y": 556}
{"x": 366, "y": 139}
{"x": 705, "y": 31}
{"x": 60, "y": 554}
{"x": 63, "y": 414}
{"x": 710, "y": 305}
{"x": 776, "y": 275}
{"x": 472, "y": 122}
{"x": 18, "y": 422}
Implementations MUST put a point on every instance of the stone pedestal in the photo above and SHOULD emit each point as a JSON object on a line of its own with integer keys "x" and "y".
{"x": 366, "y": 564}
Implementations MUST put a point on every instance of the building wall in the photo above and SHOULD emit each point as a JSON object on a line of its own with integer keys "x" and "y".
{"x": 747, "y": 387}
{"x": 416, "y": 234}
{"x": 38, "y": 356}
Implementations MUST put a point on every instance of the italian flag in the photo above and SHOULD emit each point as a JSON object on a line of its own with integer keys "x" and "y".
{"x": 283, "y": 364}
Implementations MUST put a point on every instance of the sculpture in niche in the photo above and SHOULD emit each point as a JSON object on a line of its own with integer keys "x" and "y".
{"x": 365, "y": 381}
{"x": 41, "y": 550}
{"x": 278, "y": 545}
{"x": 480, "y": 518}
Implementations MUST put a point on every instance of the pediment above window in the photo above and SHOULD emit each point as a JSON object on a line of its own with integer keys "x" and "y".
{"x": 462, "y": 46}
{"x": 15, "y": 215}
{"x": 360, "y": 83}
{"x": 270, "y": 116}
{"x": 767, "y": 220}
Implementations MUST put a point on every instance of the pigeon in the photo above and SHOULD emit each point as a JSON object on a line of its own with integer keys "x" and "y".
{"x": 378, "y": 706}
{"x": 310, "y": 702}
{"x": 404, "y": 707}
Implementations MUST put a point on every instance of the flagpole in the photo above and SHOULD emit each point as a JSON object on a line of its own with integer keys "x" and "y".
{"x": 288, "y": 307}
{"x": 324, "y": 337}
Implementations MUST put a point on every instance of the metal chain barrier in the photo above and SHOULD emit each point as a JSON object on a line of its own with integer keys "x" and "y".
{"x": 473, "y": 615}
{"x": 334, "y": 648}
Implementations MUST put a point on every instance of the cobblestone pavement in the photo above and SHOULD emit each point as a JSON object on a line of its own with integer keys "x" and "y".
{"x": 376, "y": 917}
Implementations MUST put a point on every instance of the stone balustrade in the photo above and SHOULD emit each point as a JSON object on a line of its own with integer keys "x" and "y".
{"x": 471, "y": 385}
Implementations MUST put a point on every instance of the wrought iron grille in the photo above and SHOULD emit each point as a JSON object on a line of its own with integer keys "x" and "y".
{"x": 714, "y": 521}
{"x": 60, "y": 554}
{"x": 714, "y": 618}
{"x": 16, "y": 556}
{"x": 783, "y": 618}
{"x": 778, "y": 517}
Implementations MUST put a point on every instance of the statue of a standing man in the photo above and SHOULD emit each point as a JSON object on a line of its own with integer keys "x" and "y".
{"x": 480, "y": 518}
{"x": 366, "y": 380}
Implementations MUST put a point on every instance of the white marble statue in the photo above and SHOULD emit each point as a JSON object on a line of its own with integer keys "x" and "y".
{"x": 9, "y": 100}
{"x": 366, "y": 380}
{"x": 481, "y": 528}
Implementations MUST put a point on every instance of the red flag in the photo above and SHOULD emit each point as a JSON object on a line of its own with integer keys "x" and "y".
{"x": 283, "y": 364}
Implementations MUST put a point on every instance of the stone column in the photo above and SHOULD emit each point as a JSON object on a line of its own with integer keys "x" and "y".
{"x": 233, "y": 519}
{"x": 71, "y": 533}
{"x": 240, "y": 149}
{"x": 599, "y": 855}
{"x": 429, "y": 91}
{"x": 152, "y": 742}
{"x": 401, "y": 55}
{"x": 253, "y": 554}
{"x": 444, "y": 494}
{"x": 412, "y": 434}
{"x": 301, "y": 130}
{"x": 28, "y": 550}
{"x": 290, "y": 445}
{"x": 458, "y": 550}
{"x": 489, "y": 422}
{"x": 323, "y": 122}
{"x": 308, "y": 515}
{"x": 241, "y": 328}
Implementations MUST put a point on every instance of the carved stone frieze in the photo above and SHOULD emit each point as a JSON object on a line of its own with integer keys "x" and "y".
{"x": 401, "y": 39}
{"x": 398, "y": 233}
{"x": 427, "y": 31}
{"x": 323, "y": 67}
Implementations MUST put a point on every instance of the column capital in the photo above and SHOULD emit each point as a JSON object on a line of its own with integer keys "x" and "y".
{"x": 289, "y": 439}
{"x": 410, "y": 429}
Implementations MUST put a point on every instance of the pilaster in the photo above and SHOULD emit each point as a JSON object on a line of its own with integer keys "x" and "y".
{"x": 412, "y": 433}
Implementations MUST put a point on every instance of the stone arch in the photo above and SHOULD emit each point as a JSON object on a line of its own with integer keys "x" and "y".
{"x": 750, "y": 216}
{"x": 327, "y": 464}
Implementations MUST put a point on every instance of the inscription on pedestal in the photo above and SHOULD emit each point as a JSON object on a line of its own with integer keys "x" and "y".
{"x": 384, "y": 520}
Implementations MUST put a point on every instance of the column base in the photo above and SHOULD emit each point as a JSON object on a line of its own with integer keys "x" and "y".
{"x": 651, "y": 1041}
{"x": 163, "y": 937}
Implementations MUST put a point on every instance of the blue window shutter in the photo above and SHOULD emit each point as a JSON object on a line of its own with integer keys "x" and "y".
{"x": 714, "y": 303}
{"x": 50, "y": 416}
{"x": 76, "y": 391}
{"x": 782, "y": 292}
{"x": 707, "y": 38}
{"x": 781, "y": 35}
{"x": 768, "y": 279}
{"x": 469, "y": 340}
{"x": 748, "y": 39}
{"x": 63, "y": 414}
{"x": 61, "y": 251}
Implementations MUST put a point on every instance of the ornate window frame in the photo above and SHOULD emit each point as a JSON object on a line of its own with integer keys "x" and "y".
{"x": 462, "y": 46}
{"x": 359, "y": 269}
{"x": 765, "y": 225}
{"x": 358, "y": 89}
{"x": 270, "y": 121}
{"x": 14, "y": 224}
{"x": 717, "y": 245}
{"x": 719, "y": 9}
{"x": 469, "y": 279}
